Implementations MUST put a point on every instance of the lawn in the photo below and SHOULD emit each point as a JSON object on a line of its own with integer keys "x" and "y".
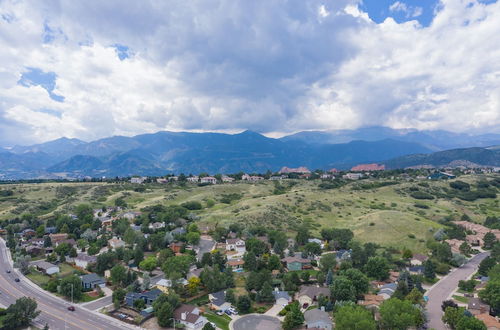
{"x": 461, "y": 299}
{"x": 38, "y": 278}
{"x": 221, "y": 322}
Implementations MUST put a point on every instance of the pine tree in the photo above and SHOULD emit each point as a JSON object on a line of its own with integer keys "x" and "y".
{"x": 329, "y": 278}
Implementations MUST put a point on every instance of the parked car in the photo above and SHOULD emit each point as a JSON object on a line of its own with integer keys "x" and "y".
{"x": 8, "y": 271}
{"x": 17, "y": 280}
{"x": 219, "y": 313}
{"x": 228, "y": 312}
{"x": 71, "y": 308}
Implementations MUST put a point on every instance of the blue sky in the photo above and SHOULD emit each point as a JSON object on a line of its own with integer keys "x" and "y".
{"x": 101, "y": 68}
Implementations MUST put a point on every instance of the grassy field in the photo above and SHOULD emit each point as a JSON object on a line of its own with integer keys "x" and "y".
{"x": 221, "y": 322}
{"x": 387, "y": 215}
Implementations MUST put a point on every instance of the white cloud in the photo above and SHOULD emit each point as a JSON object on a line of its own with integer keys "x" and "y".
{"x": 275, "y": 66}
{"x": 410, "y": 11}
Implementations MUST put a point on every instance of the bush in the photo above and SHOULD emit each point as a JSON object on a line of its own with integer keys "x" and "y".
{"x": 192, "y": 205}
{"x": 421, "y": 206}
{"x": 421, "y": 195}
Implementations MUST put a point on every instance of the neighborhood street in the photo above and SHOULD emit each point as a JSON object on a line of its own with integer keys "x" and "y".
{"x": 444, "y": 288}
{"x": 54, "y": 310}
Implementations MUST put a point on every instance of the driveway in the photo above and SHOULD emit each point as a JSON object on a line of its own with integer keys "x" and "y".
{"x": 206, "y": 245}
{"x": 277, "y": 307}
{"x": 445, "y": 287}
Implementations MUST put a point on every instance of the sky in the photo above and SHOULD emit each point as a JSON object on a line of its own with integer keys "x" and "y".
{"x": 92, "y": 69}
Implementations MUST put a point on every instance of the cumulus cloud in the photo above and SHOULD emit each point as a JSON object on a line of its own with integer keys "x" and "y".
{"x": 409, "y": 11}
{"x": 274, "y": 66}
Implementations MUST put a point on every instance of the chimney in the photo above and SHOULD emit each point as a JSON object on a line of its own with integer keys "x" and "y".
{"x": 183, "y": 316}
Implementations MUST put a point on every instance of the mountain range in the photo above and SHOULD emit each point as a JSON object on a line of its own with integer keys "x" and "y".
{"x": 175, "y": 152}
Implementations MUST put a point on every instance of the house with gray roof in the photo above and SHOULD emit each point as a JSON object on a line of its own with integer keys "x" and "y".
{"x": 317, "y": 319}
{"x": 148, "y": 296}
{"x": 92, "y": 281}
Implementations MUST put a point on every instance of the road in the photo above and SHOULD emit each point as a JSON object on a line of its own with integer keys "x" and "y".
{"x": 54, "y": 310}
{"x": 444, "y": 288}
{"x": 205, "y": 245}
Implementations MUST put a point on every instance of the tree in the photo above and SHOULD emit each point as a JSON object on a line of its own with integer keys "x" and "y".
{"x": 244, "y": 304}
{"x": 465, "y": 248}
{"x": 206, "y": 259}
{"x": 377, "y": 267}
{"x": 470, "y": 323}
{"x": 193, "y": 285}
{"x": 118, "y": 275}
{"x": 118, "y": 296}
{"x": 164, "y": 314}
{"x": 485, "y": 265}
{"x": 448, "y": 303}
{"x": 293, "y": 317}
{"x": 342, "y": 237}
{"x": 358, "y": 280}
{"x": 328, "y": 262}
{"x": 443, "y": 252}
{"x": 429, "y": 270}
{"x": 342, "y": 289}
{"x": 47, "y": 242}
{"x": 491, "y": 293}
{"x": 415, "y": 296}
{"x": 148, "y": 264}
{"x": 21, "y": 313}
{"x": 139, "y": 304}
{"x": 452, "y": 315}
{"x": 302, "y": 235}
{"x": 489, "y": 240}
{"x": 399, "y": 314}
{"x": 274, "y": 262}
{"x": 312, "y": 249}
{"x": 266, "y": 293}
{"x": 193, "y": 238}
{"x": 177, "y": 264}
{"x": 354, "y": 318}
{"x": 138, "y": 255}
{"x": 146, "y": 282}
{"x": 250, "y": 261}
{"x": 71, "y": 287}
{"x": 329, "y": 278}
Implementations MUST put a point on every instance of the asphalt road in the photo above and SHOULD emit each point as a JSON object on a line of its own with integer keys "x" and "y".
{"x": 205, "y": 245}
{"x": 443, "y": 289}
{"x": 54, "y": 310}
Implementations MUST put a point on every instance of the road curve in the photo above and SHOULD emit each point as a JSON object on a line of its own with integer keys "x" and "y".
{"x": 54, "y": 310}
{"x": 444, "y": 288}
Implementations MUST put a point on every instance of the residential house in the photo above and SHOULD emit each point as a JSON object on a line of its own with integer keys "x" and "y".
{"x": 165, "y": 284}
{"x": 56, "y": 238}
{"x": 352, "y": 176}
{"x": 50, "y": 230}
{"x": 218, "y": 301}
{"x": 28, "y": 233}
{"x": 84, "y": 260}
{"x": 371, "y": 301}
{"x": 194, "y": 273}
{"x": 476, "y": 306}
{"x": 227, "y": 179}
{"x": 178, "y": 231}
{"x": 148, "y": 296}
{"x": 387, "y": 290}
{"x": 278, "y": 177}
{"x": 46, "y": 267}
{"x": 416, "y": 270}
{"x": 92, "y": 281}
{"x": 189, "y": 316}
{"x": 418, "y": 259}
{"x": 441, "y": 175}
{"x": 282, "y": 297}
{"x": 309, "y": 294}
{"x": 296, "y": 263}
{"x": 176, "y": 247}
{"x": 116, "y": 243}
{"x": 342, "y": 255}
{"x": 325, "y": 176}
{"x": 193, "y": 179}
{"x": 235, "y": 244}
{"x": 454, "y": 244}
{"x": 156, "y": 225}
{"x": 130, "y": 215}
{"x": 208, "y": 179}
{"x": 317, "y": 241}
{"x": 491, "y": 322}
{"x": 138, "y": 180}
{"x": 317, "y": 319}
{"x": 107, "y": 222}
{"x": 236, "y": 264}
